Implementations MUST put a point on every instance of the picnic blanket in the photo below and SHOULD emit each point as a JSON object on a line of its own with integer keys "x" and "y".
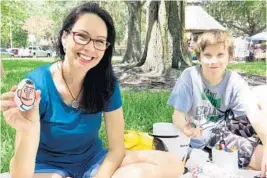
{"x": 199, "y": 165}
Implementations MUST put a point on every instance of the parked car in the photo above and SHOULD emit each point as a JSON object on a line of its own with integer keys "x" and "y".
{"x": 54, "y": 54}
{"x": 34, "y": 51}
{"x": 38, "y": 51}
{"x": 14, "y": 52}
{"x": 4, "y": 53}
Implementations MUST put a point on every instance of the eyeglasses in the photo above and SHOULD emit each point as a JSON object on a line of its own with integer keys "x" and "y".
{"x": 83, "y": 39}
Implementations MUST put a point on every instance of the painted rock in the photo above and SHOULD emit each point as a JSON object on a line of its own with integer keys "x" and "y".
{"x": 25, "y": 95}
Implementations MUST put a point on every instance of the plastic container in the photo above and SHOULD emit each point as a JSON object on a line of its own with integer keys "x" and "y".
{"x": 225, "y": 160}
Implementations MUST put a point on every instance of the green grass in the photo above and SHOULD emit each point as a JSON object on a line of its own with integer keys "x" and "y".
{"x": 141, "y": 108}
{"x": 251, "y": 68}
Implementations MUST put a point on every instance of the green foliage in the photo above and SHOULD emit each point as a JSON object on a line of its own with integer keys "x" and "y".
{"x": 119, "y": 13}
{"x": 242, "y": 17}
{"x": 13, "y": 14}
{"x": 19, "y": 37}
{"x": 57, "y": 11}
{"x": 44, "y": 19}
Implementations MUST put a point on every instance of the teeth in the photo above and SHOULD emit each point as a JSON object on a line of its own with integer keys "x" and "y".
{"x": 86, "y": 57}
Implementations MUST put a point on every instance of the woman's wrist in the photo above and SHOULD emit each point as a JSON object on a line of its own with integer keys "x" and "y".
{"x": 32, "y": 132}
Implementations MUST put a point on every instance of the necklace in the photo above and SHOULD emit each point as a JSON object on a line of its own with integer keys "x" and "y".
{"x": 75, "y": 103}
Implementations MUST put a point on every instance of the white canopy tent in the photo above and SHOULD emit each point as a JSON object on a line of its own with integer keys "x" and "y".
{"x": 198, "y": 20}
{"x": 259, "y": 36}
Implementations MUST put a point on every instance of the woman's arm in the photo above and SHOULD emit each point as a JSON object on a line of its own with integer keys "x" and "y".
{"x": 23, "y": 162}
{"x": 115, "y": 134}
{"x": 27, "y": 127}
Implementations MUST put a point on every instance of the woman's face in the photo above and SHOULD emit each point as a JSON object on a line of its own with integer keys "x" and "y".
{"x": 85, "y": 44}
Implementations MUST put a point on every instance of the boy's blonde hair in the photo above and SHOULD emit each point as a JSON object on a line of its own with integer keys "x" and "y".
{"x": 213, "y": 37}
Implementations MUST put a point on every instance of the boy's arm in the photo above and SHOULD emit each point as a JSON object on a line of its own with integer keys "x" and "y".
{"x": 178, "y": 119}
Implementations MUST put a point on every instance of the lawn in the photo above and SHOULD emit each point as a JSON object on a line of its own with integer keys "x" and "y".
{"x": 251, "y": 68}
{"x": 141, "y": 108}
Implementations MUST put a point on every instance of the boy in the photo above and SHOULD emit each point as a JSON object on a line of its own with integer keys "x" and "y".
{"x": 202, "y": 93}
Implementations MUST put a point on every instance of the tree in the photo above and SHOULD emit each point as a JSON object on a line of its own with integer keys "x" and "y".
{"x": 118, "y": 12}
{"x": 13, "y": 14}
{"x": 164, "y": 40}
{"x": 20, "y": 37}
{"x": 242, "y": 17}
{"x": 39, "y": 26}
{"x": 133, "y": 50}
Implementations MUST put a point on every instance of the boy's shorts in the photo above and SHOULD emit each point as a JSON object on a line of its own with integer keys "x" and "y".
{"x": 245, "y": 146}
{"x": 81, "y": 171}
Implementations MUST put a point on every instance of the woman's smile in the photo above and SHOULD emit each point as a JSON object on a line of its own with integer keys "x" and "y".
{"x": 85, "y": 59}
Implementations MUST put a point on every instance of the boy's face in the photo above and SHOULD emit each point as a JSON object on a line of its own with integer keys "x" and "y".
{"x": 214, "y": 59}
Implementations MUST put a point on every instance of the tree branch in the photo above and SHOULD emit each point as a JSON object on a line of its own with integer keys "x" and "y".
{"x": 142, "y": 3}
{"x": 240, "y": 28}
{"x": 260, "y": 29}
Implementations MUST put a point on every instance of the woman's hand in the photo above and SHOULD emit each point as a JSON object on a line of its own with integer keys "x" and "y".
{"x": 21, "y": 121}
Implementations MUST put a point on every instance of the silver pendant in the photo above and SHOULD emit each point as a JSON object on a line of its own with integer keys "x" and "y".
{"x": 75, "y": 104}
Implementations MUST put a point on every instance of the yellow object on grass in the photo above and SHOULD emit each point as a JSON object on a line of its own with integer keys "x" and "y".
{"x": 134, "y": 140}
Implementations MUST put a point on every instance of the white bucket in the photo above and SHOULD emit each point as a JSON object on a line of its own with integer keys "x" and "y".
{"x": 178, "y": 145}
{"x": 225, "y": 160}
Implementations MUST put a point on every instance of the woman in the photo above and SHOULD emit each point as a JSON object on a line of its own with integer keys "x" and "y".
{"x": 59, "y": 136}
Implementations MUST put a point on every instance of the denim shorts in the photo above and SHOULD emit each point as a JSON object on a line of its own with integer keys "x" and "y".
{"x": 77, "y": 171}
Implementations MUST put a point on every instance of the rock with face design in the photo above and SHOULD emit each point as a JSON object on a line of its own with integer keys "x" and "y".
{"x": 25, "y": 95}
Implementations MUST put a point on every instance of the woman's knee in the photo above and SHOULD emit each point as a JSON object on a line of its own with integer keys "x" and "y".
{"x": 153, "y": 157}
{"x": 172, "y": 165}
{"x": 135, "y": 170}
{"x": 164, "y": 163}
{"x": 145, "y": 170}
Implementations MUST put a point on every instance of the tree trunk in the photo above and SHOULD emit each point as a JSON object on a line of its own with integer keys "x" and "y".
{"x": 133, "y": 50}
{"x": 180, "y": 59}
{"x": 151, "y": 18}
{"x": 164, "y": 43}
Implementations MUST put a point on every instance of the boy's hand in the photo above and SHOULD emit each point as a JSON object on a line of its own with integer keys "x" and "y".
{"x": 192, "y": 132}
